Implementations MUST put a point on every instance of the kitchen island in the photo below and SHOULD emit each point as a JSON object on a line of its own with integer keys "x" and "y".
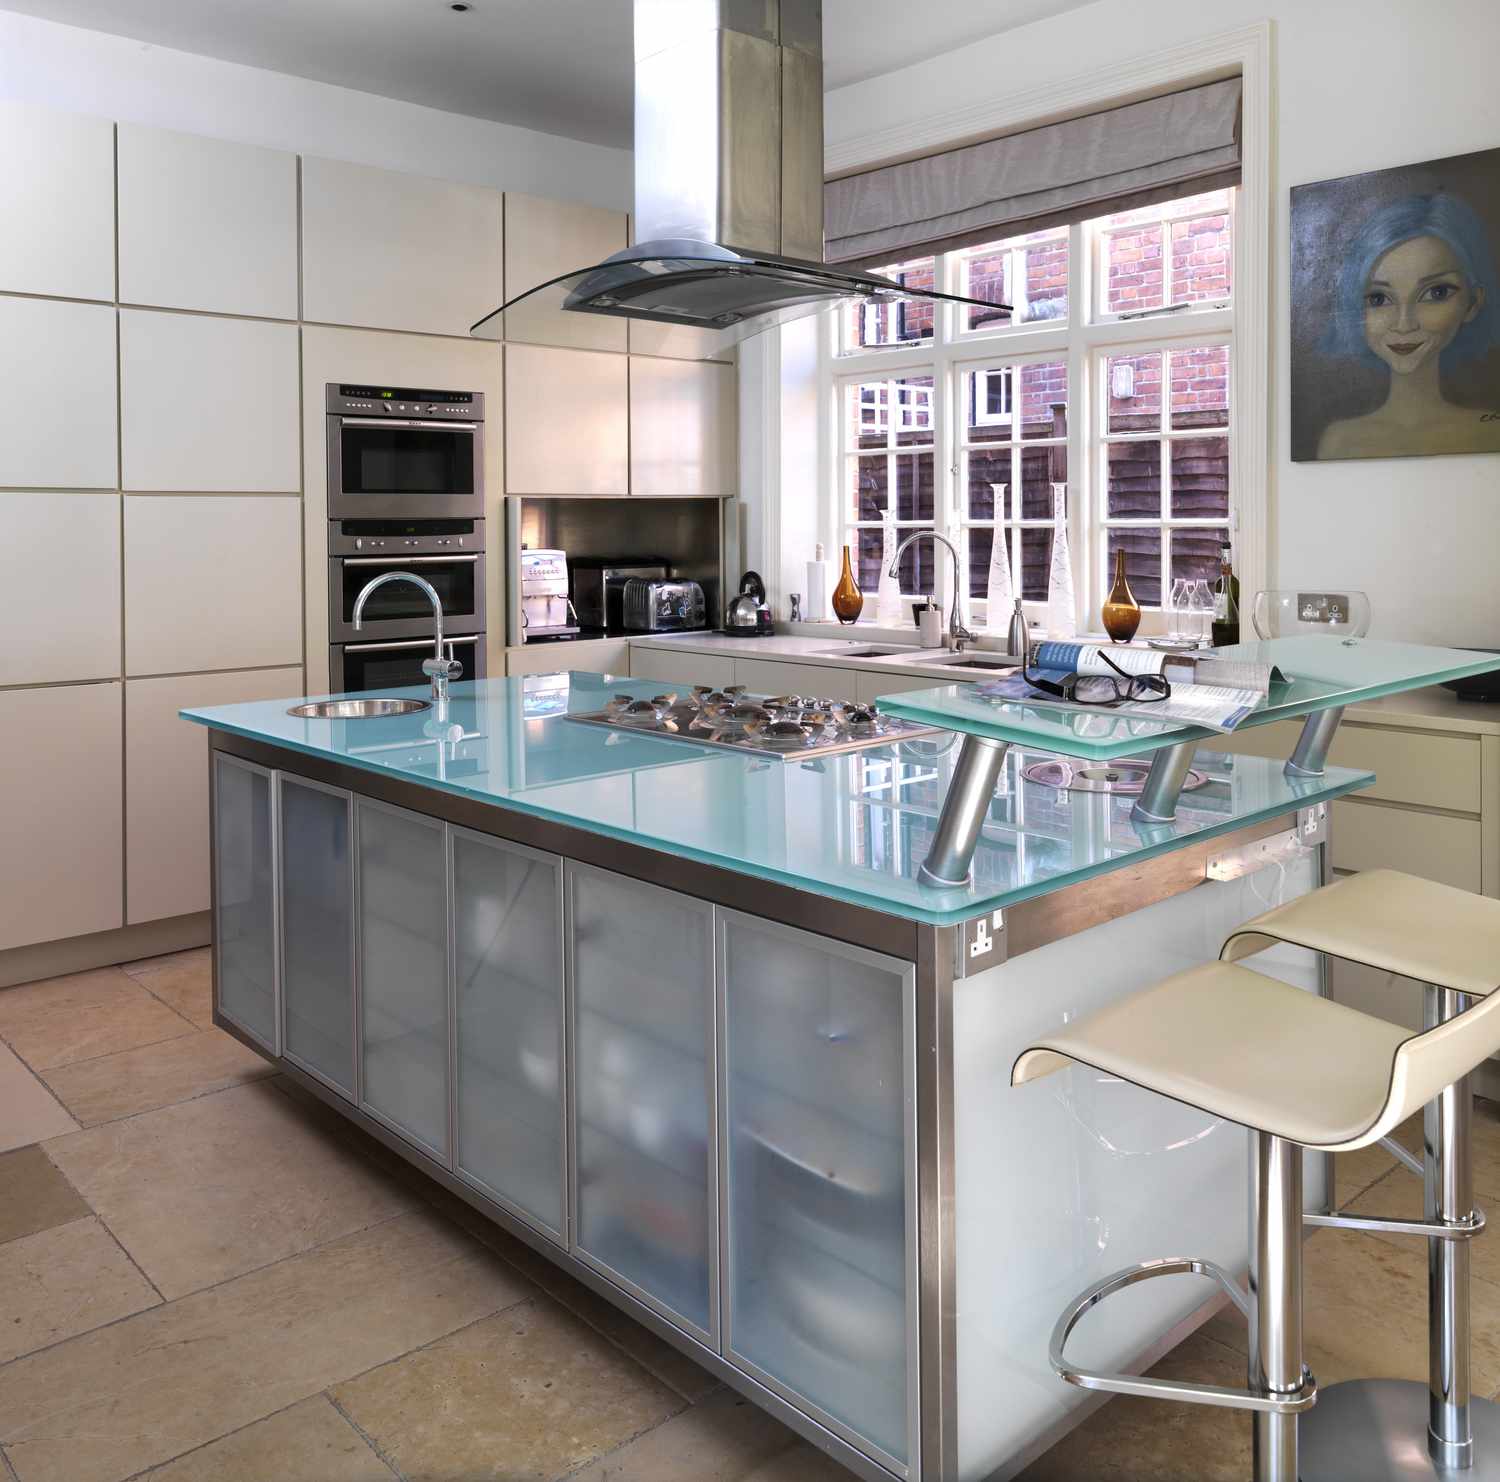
{"x": 687, "y": 1021}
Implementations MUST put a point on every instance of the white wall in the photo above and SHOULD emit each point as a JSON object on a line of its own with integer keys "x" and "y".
{"x": 1359, "y": 85}
{"x": 90, "y": 72}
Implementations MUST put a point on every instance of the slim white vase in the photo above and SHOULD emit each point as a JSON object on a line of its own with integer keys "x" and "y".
{"x": 1062, "y": 615}
{"x": 999, "y": 593}
{"x": 888, "y": 593}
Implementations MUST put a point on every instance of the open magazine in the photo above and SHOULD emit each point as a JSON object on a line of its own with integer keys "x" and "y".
{"x": 1207, "y": 691}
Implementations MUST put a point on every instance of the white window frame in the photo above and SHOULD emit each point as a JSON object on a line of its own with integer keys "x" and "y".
{"x": 1083, "y": 342}
{"x": 784, "y": 418}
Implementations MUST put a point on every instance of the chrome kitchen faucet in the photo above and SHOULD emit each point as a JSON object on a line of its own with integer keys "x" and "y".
{"x": 958, "y": 635}
{"x": 438, "y": 669}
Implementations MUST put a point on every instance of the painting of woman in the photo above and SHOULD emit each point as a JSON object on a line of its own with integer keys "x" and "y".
{"x": 1408, "y": 360}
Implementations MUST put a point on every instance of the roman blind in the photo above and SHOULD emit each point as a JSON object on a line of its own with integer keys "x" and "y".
{"x": 1130, "y": 156}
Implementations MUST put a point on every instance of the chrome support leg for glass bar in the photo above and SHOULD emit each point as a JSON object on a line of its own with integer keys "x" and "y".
{"x": 1169, "y": 769}
{"x": 969, "y": 792}
{"x": 1275, "y": 1299}
{"x": 1311, "y": 752}
{"x": 1392, "y": 1430}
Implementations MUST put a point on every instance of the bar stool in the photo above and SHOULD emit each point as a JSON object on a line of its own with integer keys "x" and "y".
{"x": 1449, "y": 940}
{"x": 1300, "y": 1072}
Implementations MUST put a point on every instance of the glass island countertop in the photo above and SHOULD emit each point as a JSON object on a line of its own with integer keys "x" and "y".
{"x": 1322, "y": 673}
{"x": 852, "y": 827}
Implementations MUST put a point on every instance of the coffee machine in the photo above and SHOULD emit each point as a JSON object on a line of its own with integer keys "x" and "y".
{"x": 546, "y": 610}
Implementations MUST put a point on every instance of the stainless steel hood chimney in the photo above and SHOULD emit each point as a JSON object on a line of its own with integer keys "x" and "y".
{"x": 728, "y": 183}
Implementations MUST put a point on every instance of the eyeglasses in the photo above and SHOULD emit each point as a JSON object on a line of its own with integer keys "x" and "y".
{"x": 1101, "y": 689}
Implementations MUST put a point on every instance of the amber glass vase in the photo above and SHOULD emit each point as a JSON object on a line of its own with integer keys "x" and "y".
{"x": 1122, "y": 613}
{"x": 849, "y": 601}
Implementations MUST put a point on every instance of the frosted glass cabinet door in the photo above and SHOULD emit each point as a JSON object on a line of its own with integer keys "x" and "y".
{"x": 403, "y": 972}
{"x": 819, "y": 1296}
{"x": 244, "y": 898}
{"x": 507, "y": 914}
{"x": 642, "y": 965}
{"x": 317, "y": 930}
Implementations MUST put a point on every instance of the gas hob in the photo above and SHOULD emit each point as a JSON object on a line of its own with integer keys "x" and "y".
{"x": 787, "y": 726}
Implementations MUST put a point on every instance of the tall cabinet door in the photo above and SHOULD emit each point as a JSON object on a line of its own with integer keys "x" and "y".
{"x": 317, "y": 929}
{"x": 508, "y": 971}
{"x": 819, "y": 1132}
{"x": 644, "y": 1151}
{"x": 245, "y": 898}
{"x": 403, "y": 972}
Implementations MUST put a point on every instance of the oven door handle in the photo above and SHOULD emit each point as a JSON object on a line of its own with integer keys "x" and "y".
{"x": 404, "y": 422}
{"x": 407, "y": 560}
{"x": 370, "y": 648}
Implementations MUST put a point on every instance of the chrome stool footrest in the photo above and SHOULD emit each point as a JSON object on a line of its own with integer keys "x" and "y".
{"x": 1383, "y": 1225}
{"x": 1294, "y": 1402}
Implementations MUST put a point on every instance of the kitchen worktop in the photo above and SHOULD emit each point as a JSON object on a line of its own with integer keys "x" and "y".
{"x": 851, "y": 827}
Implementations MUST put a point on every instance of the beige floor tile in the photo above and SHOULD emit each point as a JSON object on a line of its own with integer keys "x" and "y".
{"x": 311, "y": 1442}
{"x": 526, "y": 1396}
{"x": 1355, "y": 1172}
{"x": 34, "y": 1195}
{"x": 185, "y": 980}
{"x": 114, "y": 1086}
{"x": 114, "y": 1402}
{"x": 725, "y": 1439}
{"x": 62, "y": 1282}
{"x": 29, "y": 1112}
{"x": 799, "y": 1463}
{"x": 56, "y": 1021}
{"x": 212, "y": 1188}
{"x": 1399, "y": 1196}
{"x": 1135, "y": 1440}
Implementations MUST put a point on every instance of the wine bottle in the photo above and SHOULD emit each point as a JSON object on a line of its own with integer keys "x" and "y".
{"x": 1226, "y": 625}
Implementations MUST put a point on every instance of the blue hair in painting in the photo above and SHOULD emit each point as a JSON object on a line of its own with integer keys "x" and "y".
{"x": 1437, "y": 215}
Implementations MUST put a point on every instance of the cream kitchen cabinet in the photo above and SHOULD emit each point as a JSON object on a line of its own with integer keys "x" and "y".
{"x": 872, "y": 683}
{"x": 682, "y": 428}
{"x": 71, "y": 609}
{"x": 594, "y": 656}
{"x": 685, "y": 667}
{"x": 567, "y": 421}
{"x": 208, "y": 404}
{"x": 543, "y": 239}
{"x": 166, "y": 801}
{"x": 57, "y": 203}
{"x": 57, "y": 395}
{"x": 394, "y": 251}
{"x": 60, "y": 870}
{"x": 207, "y": 224}
{"x": 776, "y": 677}
{"x": 212, "y": 583}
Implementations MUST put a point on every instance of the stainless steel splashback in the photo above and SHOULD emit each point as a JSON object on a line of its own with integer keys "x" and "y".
{"x": 694, "y": 536}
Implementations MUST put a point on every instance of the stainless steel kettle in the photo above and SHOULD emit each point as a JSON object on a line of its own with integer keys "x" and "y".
{"x": 747, "y": 613}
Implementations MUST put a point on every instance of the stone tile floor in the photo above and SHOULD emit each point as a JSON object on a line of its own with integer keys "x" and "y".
{"x": 206, "y": 1276}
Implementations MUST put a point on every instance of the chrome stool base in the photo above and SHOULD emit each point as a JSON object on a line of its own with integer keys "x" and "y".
{"x": 1375, "y": 1430}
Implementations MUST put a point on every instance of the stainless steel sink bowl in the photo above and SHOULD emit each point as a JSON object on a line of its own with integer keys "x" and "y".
{"x": 376, "y": 705}
{"x": 978, "y": 663}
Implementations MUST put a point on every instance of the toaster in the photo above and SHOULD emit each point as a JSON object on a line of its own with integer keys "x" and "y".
{"x": 652, "y": 606}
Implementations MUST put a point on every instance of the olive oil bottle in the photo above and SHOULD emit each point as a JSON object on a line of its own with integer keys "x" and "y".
{"x": 1226, "y": 626}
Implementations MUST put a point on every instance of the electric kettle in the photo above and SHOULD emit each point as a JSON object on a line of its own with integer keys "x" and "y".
{"x": 747, "y": 615}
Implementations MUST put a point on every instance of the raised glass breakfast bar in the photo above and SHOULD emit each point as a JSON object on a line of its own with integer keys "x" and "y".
{"x": 690, "y": 1023}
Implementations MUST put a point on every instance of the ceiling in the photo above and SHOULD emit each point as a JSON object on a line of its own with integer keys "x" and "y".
{"x": 562, "y": 66}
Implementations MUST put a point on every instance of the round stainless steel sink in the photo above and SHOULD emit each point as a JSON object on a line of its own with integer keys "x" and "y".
{"x": 357, "y": 709}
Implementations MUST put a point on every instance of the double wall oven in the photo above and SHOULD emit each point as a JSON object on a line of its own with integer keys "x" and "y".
{"x": 405, "y": 493}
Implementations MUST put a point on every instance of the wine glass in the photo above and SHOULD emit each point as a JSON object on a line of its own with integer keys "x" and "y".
{"x": 1284, "y": 614}
{"x": 1201, "y": 603}
{"x": 1177, "y": 609}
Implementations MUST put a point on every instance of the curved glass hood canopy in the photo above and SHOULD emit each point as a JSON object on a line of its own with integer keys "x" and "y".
{"x": 728, "y": 189}
{"x": 710, "y": 296}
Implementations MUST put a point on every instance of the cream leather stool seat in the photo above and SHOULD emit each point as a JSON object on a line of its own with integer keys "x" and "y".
{"x": 1299, "y": 1071}
{"x": 1449, "y": 940}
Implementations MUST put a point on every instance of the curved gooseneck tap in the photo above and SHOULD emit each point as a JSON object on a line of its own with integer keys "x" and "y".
{"x": 958, "y": 635}
{"x": 438, "y": 669}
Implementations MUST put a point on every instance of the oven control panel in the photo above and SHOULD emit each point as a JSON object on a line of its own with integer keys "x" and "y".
{"x": 401, "y": 538}
{"x": 407, "y": 402}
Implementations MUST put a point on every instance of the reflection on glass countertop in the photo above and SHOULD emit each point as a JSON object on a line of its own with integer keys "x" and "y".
{"x": 1320, "y": 672}
{"x": 852, "y": 827}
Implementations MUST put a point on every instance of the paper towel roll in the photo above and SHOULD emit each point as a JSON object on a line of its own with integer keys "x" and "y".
{"x": 817, "y": 589}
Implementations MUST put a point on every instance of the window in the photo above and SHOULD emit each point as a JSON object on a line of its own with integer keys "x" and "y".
{"x": 1103, "y": 391}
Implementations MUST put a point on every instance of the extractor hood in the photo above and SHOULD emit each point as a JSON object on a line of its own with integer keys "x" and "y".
{"x": 728, "y": 185}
